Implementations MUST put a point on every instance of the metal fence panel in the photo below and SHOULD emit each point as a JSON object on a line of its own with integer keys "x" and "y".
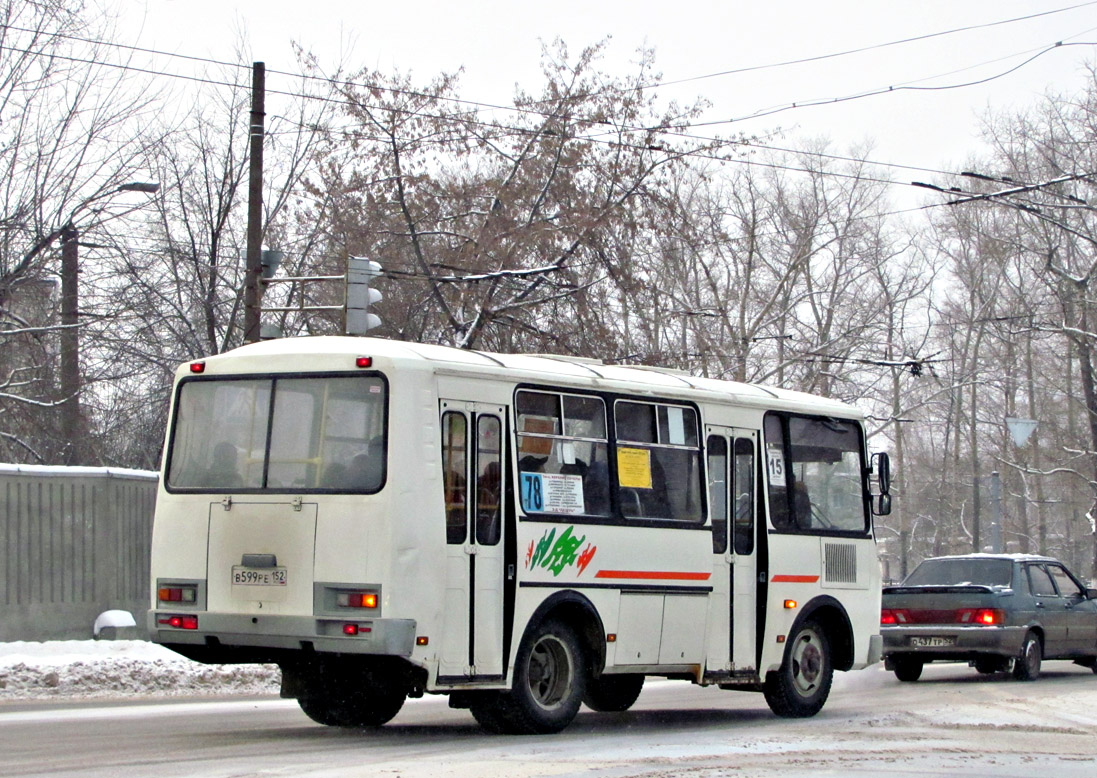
{"x": 74, "y": 542}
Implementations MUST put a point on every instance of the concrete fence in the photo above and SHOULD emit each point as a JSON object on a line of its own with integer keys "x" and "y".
{"x": 74, "y": 542}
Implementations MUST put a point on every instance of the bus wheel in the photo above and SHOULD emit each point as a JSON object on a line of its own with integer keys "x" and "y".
{"x": 801, "y": 686}
{"x": 320, "y": 710}
{"x": 613, "y": 693}
{"x": 354, "y": 704}
{"x": 549, "y": 684}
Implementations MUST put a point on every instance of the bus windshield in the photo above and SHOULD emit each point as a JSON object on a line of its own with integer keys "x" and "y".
{"x": 320, "y": 433}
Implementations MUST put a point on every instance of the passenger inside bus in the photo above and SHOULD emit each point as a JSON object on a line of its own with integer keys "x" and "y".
{"x": 365, "y": 470}
{"x": 801, "y": 505}
{"x": 222, "y": 470}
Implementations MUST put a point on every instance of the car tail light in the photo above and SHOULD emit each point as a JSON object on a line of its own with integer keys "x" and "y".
{"x": 894, "y": 616}
{"x": 985, "y": 617}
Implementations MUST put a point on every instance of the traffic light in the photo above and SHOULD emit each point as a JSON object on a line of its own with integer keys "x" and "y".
{"x": 360, "y": 295}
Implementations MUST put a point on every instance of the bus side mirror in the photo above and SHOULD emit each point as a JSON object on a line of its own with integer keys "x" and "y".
{"x": 881, "y": 464}
{"x": 881, "y": 505}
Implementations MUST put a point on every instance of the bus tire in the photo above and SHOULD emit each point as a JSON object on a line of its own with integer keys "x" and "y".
{"x": 550, "y": 680}
{"x": 613, "y": 693}
{"x": 1026, "y": 667}
{"x": 353, "y": 706}
{"x": 319, "y": 710}
{"x": 801, "y": 686}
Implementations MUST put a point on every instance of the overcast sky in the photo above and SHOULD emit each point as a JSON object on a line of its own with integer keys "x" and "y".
{"x": 499, "y": 42}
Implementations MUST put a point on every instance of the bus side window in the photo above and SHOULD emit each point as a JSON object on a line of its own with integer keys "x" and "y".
{"x": 718, "y": 491}
{"x": 454, "y": 480}
{"x": 743, "y": 492}
{"x": 489, "y": 481}
{"x": 777, "y": 470}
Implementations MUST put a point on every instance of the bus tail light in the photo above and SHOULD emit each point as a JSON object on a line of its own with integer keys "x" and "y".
{"x": 363, "y": 361}
{"x": 184, "y": 594}
{"x": 197, "y": 367}
{"x": 356, "y": 599}
{"x": 179, "y": 622}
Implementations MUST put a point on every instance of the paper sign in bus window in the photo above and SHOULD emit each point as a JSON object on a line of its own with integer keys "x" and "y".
{"x": 541, "y": 425}
{"x": 552, "y": 493}
{"x": 676, "y": 426}
{"x": 634, "y": 468}
{"x": 775, "y": 463}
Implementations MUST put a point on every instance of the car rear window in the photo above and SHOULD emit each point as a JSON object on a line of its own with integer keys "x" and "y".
{"x": 957, "y": 572}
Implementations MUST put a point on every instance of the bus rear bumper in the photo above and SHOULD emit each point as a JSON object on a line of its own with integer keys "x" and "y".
{"x": 234, "y": 637}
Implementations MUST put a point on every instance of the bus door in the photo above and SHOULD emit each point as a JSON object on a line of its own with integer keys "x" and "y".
{"x": 733, "y": 501}
{"x": 472, "y": 468}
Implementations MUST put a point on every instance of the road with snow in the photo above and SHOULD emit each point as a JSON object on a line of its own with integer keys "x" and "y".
{"x": 953, "y": 722}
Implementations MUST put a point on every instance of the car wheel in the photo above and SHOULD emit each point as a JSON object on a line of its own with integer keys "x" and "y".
{"x": 1026, "y": 667}
{"x": 906, "y": 669}
{"x": 801, "y": 686}
{"x": 990, "y": 664}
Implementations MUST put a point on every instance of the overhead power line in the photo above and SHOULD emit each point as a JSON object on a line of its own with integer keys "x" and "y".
{"x": 872, "y": 47}
{"x": 478, "y": 105}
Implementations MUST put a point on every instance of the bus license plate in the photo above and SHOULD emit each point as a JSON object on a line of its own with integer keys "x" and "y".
{"x": 259, "y": 576}
{"x": 932, "y": 641}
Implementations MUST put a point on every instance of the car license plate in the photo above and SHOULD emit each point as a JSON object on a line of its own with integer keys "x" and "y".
{"x": 259, "y": 576}
{"x": 932, "y": 641}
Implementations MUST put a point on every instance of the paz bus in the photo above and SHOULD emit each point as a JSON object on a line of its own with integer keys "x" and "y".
{"x": 522, "y": 533}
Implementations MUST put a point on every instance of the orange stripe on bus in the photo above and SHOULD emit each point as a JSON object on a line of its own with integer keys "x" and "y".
{"x": 794, "y": 579}
{"x": 652, "y": 575}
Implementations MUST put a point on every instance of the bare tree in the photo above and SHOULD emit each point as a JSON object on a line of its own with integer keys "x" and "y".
{"x": 70, "y": 142}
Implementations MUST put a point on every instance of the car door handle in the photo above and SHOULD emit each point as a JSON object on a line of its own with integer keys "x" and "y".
{"x": 1039, "y": 605}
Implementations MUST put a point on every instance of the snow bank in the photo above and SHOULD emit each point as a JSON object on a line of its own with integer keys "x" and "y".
{"x": 107, "y": 668}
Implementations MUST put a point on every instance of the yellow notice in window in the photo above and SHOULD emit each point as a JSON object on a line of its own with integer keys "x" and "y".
{"x": 634, "y": 468}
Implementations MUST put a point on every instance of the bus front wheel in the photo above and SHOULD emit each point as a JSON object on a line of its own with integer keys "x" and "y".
{"x": 550, "y": 680}
{"x": 801, "y": 686}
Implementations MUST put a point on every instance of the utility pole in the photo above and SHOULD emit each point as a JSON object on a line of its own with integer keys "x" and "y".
{"x": 252, "y": 283}
{"x": 70, "y": 345}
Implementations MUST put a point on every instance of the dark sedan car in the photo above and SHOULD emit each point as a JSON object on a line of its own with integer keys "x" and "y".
{"x": 997, "y": 611}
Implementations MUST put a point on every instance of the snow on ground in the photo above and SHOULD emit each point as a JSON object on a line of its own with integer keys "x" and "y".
{"x": 105, "y": 668}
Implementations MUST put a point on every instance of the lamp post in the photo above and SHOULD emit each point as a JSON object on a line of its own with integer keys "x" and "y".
{"x": 69, "y": 376}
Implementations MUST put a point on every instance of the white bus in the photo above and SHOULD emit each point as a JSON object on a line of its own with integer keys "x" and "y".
{"x": 523, "y": 533}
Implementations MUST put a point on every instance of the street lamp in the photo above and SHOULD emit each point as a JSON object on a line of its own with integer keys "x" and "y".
{"x": 70, "y": 321}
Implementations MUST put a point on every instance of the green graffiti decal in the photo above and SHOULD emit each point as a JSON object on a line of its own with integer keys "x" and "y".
{"x": 543, "y": 546}
{"x": 558, "y": 553}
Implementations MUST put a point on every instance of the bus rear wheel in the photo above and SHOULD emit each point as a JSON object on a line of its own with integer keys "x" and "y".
{"x": 369, "y": 707}
{"x": 343, "y": 694}
{"x": 550, "y": 680}
{"x": 613, "y": 693}
{"x": 802, "y": 684}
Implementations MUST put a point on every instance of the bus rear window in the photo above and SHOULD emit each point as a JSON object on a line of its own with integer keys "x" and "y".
{"x": 322, "y": 433}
